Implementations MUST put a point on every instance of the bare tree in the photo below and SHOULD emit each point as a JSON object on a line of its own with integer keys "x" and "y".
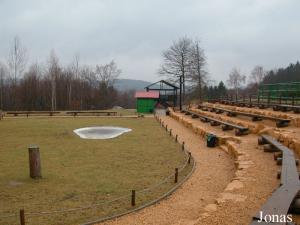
{"x": 3, "y": 73}
{"x": 53, "y": 71}
{"x": 29, "y": 87}
{"x": 107, "y": 74}
{"x": 176, "y": 60}
{"x": 16, "y": 64}
{"x": 16, "y": 59}
{"x": 73, "y": 73}
{"x": 257, "y": 74}
{"x": 76, "y": 66}
{"x": 236, "y": 79}
{"x": 197, "y": 73}
{"x": 89, "y": 76}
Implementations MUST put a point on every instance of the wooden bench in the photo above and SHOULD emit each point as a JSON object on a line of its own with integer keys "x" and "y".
{"x": 280, "y": 122}
{"x": 108, "y": 113}
{"x": 263, "y": 105}
{"x": 283, "y": 200}
{"x": 284, "y": 108}
{"x": 239, "y": 130}
{"x": 27, "y": 113}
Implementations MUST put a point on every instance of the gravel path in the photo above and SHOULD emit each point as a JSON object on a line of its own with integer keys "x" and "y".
{"x": 214, "y": 170}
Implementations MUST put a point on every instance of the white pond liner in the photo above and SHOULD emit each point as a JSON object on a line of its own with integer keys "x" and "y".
{"x": 100, "y": 132}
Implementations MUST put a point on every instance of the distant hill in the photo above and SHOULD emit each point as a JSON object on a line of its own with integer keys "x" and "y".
{"x": 129, "y": 84}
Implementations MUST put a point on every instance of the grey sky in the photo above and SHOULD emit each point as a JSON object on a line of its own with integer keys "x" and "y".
{"x": 240, "y": 33}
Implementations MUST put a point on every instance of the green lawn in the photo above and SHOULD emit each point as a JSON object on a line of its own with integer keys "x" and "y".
{"x": 78, "y": 172}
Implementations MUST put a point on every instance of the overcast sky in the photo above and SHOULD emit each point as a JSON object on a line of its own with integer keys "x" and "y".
{"x": 241, "y": 33}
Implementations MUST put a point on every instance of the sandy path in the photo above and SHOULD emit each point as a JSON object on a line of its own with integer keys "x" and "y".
{"x": 186, "y": 205}
{"x": 257, "y": 183}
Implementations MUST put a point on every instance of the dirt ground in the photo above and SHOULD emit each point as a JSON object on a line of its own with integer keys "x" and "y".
{"x": 210, "y": 197}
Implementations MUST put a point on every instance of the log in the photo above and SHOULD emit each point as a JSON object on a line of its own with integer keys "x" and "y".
{"x": 261, "y": 141}
{"x": 295, "y": 206}
{"x": 277, "y": 155}
{"x": 278, "y": 174}
{"x": 279, "y": 161}
{"x": 270, "y": 148}
{"x": 34, "y": 162}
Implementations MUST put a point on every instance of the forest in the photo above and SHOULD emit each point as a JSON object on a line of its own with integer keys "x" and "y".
{"x": 289, "y": 74}
{"x": 52, "y": 86}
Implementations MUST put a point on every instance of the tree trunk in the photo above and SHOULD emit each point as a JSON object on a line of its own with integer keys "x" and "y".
{"x": 70, "y": 96}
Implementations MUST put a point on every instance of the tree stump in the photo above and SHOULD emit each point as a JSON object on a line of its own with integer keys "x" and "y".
{"x": 34, "y": 162}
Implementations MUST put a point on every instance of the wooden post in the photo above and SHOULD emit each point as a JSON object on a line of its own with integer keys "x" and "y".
{"x": 182, "y": 146}
{"x": 133, "y": 198}
{"x": 176, "y": 175}
{"x": 166, "y": 127}
{"x": 293, "y": 100}
{"x": 280, "y": 99}
{"x": 22, "y": 217}
{"x": 176, "y": 138}
{"x": 170, "y": 132}
{"x": 190, "y": 156}
{"x": 34, "y": 162}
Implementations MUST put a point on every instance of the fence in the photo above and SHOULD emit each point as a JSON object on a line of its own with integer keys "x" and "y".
{"x": 279, "y": 90}
{"x": 134, "y": 200}
{"x": 257, "y": 99}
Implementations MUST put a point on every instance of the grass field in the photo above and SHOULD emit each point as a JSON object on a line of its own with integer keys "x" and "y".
{"x": 78, "y": 172}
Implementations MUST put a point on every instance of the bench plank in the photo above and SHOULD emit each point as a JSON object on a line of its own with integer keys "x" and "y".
{"x": 206, "y": 118}
{"x": 279, "y": 121}
{"x": 280, "y": 201}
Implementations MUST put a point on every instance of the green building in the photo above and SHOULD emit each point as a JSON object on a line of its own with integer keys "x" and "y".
{"x": 146, "y": 101}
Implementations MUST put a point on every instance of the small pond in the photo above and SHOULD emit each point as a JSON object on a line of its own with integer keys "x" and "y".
{"x": 100, "y": 132}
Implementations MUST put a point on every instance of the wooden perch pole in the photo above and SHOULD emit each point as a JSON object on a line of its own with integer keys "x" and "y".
{"x": 34, "y": 162}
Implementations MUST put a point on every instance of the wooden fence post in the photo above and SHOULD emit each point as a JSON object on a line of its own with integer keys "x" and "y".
{"x": 176, "y": 175}
{"x": 190, "y": 156}
{"x": 133, "y": 198}
{"x": 182, "y": 146}
{"x": 34, "y": 162}
{"x": 22, "y": 217}
{"x": 176, "y": 138}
